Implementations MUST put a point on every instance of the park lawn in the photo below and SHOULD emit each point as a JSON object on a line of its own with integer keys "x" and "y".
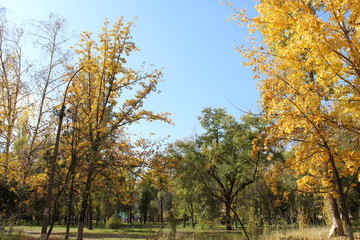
{"x": 126, "y": 232}
{"x": 151, "y": 231}
{"x": 136, "y": 231}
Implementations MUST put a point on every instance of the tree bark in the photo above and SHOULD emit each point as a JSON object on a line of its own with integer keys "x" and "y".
{"x": 228, "y": 215}
{"x": 161, "y": 211}
{"x": 98, "y": 216}
{"x": 337, "y": 227}
{"x": 342, "y": 199}
{"x": 241, "y": 223}
{"x": 192, "y": 214}
{"x": 84, "y": 206}
{"x": 46, "y": 215}
{"x": 130, "y": 216}
{"x": 69, "y": 210}
{"x": 89, "y": 215}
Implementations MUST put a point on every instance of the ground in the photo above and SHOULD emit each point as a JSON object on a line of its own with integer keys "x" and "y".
{"x": 150, "y": 231}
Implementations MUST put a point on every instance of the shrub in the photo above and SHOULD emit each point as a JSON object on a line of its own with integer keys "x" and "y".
{"x": 114, "y": 222}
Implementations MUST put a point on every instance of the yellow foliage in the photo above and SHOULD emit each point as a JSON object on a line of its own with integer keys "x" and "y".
{"x": 309, "y": 76}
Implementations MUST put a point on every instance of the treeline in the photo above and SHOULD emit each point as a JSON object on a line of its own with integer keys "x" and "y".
{"x": 307, "y": 65}
{"x": 65, "y": 149}
{"x": 231, "y": 174}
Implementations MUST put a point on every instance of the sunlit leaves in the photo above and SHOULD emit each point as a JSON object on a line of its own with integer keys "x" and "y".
{"x": 307, "y": 64}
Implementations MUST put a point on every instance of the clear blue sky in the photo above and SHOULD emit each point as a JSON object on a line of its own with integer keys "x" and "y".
{"x": 190, "y": 39}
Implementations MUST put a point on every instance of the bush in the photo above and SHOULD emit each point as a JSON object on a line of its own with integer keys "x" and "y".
{"x": 114, "y": 222}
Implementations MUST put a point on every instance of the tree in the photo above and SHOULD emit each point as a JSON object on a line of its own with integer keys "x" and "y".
{"x": 50, "y": 38}
{"x": 101, "y": 88}
{"x": 221, "y": 159}
{"x": 13, "y": 88}
{"x": 102, "y": 96}
{"x": 309, "y": 78}
{"x": 148, "y": 193}
{"x": 52, "y": 171}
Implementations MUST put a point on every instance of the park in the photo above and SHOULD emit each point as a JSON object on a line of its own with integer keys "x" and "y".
{"x": 80, "y": 157}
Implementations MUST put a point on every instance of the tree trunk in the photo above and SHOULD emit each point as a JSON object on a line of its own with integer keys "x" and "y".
{"x": 144, "y": 217}
{"x": 6, "y": 154}
{"x": 84, "y": 206}
{"x": 71, "y": 195}
{"x": 52, "y": 218}
{"x": 69, "y": 210}
{"x": 46, "y": 215}
{"x": 11, "y": 224}
{"x": 89, "y": 215}
{"x": 130, "y": 216}
{"x": 235, "y": 220}
{"x": 191, "y": 208}
{"x": 228, "y": 215}
{"x": 98, "y": 216}
{"x": 337, "y": 227}
{"x": 342, "y": 199}
{"x": 242, "y": 225}
{"x": 51, "y": 183}
{"x": 161, "y": 211}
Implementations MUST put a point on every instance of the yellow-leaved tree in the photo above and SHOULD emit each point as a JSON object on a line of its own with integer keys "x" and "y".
{"x": 308, "y": 66}
{"x": 103, "y": 97}
{"x": 13, "y": 93}
{"x": 111, "y": 97}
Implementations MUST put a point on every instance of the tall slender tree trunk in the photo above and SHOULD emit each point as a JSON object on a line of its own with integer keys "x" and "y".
{"x": 69, "y": 208}
{"x": 192, "y": 221}
{"x": 51, "y": 183}
{"x": 161, "y": 211}
{"x": 46, "y": 214}
{"x": 337, "y": 227}
{"x": 74, "y": 160}
{"x": 191, "y": 208}
{"x": 235, "y": 220}
{"x": 145, "y": 217}
{"x": 98, "y": 216}
{"x": 90, "y": 215}
{"x": 241, "y": 223}
{"x": 6, "y": 157}
{"x": 130, "y": 216}
{"x": 84, "y": 206}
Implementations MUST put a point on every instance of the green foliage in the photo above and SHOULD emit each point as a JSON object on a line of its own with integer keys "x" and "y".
{"x": 173, "y": 223}
{"x": 210, "y": 210}
{"x": 114, "y": 222}
{"x": 8, "y": 197}
{"x": 216, "y": 166}
{"x": 148, "y": 193}
{"x": 254, "y": 223}
{"x": 215, "y": 122}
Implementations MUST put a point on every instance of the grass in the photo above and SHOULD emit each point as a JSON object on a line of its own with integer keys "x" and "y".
{"x": 153, "y": 231}
{"x": 125, "y": 232}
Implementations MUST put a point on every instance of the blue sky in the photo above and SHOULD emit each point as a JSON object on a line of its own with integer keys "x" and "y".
{"x": 190, "y": 39}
